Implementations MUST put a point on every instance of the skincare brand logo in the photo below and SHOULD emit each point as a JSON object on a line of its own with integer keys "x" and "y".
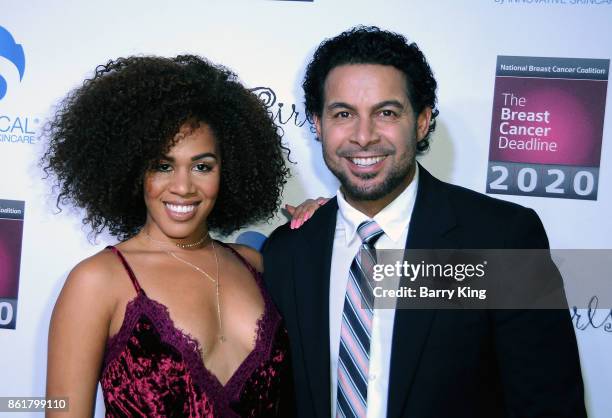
{"x": 13, "y": 52}
{"x": 18, "y": 129}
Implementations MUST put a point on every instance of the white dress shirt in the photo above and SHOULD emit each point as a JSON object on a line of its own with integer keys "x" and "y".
{"x": 394, "y": 220}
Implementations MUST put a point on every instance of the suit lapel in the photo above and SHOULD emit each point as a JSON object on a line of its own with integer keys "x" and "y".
{"x": 312, "y": 300}
{"x": 432, "y": 217}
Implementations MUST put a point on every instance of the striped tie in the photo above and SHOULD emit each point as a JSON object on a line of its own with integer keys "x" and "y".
{"x": 354, "y": 355}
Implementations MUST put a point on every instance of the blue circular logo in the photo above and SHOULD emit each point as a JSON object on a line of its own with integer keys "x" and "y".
{"x": 13, "y": 52}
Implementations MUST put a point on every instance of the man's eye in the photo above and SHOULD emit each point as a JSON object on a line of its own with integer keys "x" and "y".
{"x": 343, "y": 115}
{"x": 388, "y": 113}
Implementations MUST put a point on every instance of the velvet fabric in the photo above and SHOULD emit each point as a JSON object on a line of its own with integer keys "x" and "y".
{"x": 153, "y": 369}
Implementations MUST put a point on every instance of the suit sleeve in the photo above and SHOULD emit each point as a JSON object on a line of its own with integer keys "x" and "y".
{"x": 277, "y": 267}
{"x": 536, "y": 350}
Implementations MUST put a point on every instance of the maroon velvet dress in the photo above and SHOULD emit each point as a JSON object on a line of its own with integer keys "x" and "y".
{"x": 153, "y": 369}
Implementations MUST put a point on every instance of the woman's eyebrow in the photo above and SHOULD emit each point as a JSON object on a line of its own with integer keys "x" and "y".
{"x": 204, "y": 155}
{"x": 194, "y": 158}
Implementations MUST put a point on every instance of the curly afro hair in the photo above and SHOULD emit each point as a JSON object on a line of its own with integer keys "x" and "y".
{"x": 107, "y": 133}
{"x": 371, "y": 45}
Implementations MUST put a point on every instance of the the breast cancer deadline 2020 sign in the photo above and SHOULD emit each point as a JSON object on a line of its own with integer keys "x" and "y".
{"x": 11, "y": 234}
{"x": 547, "y": 126}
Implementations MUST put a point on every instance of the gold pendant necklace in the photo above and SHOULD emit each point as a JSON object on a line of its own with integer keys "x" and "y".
{"x": 201, "y": 271}
{"x": 209, "y": 277}
{"x": 178, "y": 244}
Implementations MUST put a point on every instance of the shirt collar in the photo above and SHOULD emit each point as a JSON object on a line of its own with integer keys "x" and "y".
{"x": 392, "y": 219}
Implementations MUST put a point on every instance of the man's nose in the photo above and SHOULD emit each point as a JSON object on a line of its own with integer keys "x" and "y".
{"x": 365, "y": 132}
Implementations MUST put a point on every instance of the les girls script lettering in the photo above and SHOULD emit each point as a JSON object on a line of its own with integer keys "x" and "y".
{"x": 281, "y": 114}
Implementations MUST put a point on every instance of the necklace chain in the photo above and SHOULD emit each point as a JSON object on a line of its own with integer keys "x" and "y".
{"x": 201, "y": 271}
{"x": 208, "y": 276}
{"x": 178, "y": 244}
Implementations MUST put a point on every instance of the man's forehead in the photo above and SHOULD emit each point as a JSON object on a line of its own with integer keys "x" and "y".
{"x": 365, "y": 82}
{"x": 365, "y": 86}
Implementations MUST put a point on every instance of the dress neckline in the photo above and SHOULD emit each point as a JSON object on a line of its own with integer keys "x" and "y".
{"x": 188, "y": 346}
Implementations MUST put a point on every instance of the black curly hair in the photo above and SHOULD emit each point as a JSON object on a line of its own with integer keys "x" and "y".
{"x": 371, "y": 45}
{"x": 107, "y": 133}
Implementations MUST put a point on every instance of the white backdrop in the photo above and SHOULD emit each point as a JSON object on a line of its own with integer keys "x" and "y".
{"x": 268, "y": 43}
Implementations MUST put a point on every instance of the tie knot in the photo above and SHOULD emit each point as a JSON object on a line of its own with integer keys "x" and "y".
{"x": 369, "y": 232}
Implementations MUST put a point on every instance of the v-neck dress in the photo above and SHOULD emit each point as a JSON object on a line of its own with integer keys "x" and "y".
{"x": 153, "y": 369}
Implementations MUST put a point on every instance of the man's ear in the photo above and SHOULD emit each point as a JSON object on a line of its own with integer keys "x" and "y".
{"x": 423, "y": 121}
{"x": 317, "y": 123}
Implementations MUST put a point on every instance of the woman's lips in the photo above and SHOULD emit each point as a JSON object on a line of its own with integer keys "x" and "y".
{"x": 180, "y": 212}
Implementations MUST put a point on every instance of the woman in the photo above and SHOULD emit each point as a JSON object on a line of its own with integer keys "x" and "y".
{"x": 160, "y": 152}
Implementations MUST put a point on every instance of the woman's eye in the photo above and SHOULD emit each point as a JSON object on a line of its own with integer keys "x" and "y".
{"x": 202, "y": 167}
{"x": 163, "y": 167}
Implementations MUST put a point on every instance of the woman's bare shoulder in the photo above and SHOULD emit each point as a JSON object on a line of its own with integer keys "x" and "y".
{"x": 94, "y": 278}
{"x": 253, "y": 256}
{"x": 96, "y": 268}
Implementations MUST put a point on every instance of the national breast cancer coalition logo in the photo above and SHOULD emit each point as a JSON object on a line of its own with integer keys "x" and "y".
{"x": 11, "y": 236}
{"x": 547, "y": 126}
{"x": 13, "y": 52}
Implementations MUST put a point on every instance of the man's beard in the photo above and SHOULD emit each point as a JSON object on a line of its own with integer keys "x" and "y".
{"x": 398, "y": 174}
{"x": 389, "y": 184}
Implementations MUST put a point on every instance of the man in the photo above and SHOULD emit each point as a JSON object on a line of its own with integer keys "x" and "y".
{"x": 372, "y": 99}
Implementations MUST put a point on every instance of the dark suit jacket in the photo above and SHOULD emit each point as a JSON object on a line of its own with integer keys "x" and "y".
{"x": 444, "y": 363}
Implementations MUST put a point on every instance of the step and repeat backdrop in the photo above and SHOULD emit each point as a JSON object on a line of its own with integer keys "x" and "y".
{"x": 525, "y": 115}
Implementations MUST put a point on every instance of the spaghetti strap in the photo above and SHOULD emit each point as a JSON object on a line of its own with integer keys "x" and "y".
{"x": 240, "y": 257}
{"x": 127, "y": 268}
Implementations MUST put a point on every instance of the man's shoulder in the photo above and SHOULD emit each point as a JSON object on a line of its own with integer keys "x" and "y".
{"x": 322, "y": 219}
{"x": 471, "y": 202}
{"x": 281, "y": 236}
{"x": 483, "y": 221}
{"x": 433, "y": 191}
